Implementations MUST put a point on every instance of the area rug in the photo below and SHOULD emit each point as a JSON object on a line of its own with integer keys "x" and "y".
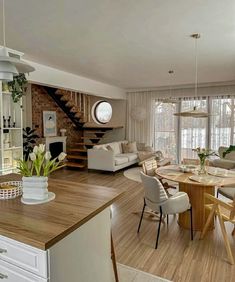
{"x": 133, "y": 173}
{"x": 129, "y": 274}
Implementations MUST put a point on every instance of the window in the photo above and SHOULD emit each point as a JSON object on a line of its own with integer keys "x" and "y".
{"x": 166, "y": 129}
{"x": 177, "y": 136}
{"x": 102, "y": 112}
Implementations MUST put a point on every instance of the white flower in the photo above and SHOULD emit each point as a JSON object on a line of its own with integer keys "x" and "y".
{"x": 62, "y": 156}
{"x": 47, "y": 156}
{"x": 41, "y": 148}
{"x": 35, "y": 149}
{"x": 32, "y": 156}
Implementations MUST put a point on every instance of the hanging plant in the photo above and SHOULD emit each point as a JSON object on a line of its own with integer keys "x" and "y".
{"x": 17, "y": 87}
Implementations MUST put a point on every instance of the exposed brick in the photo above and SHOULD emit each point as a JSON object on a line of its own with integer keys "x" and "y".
{"x": 41, "y": 101}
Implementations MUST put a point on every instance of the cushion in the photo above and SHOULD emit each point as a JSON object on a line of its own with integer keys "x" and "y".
{"x": 144, "y": 155}
{"x": 223, "y": 163}
{"x": 109, "y": 148}
{"x": 230, "y": 156}
{"x": 116, "y": 147}
{"x": 130, "y": 156}
{"x": 227, "y": 192}
{"x": 129, "y": 147}
{"x": 120, "y": 160}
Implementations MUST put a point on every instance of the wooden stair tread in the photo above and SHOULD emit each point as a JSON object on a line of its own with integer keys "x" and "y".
{"x": 85, "y": 144}
{"x": 90, "y": 137}
{"x": 73, "y": 164}
{"x": 79, "y": 150}
{"x": 73, "y": 150}
{"x": 76, "y": 157}
{"x": 94, "y": 132}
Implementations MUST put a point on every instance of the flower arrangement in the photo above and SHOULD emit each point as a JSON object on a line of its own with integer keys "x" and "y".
{"x": 39, "y": 163}
{"x": 203, "y": 154}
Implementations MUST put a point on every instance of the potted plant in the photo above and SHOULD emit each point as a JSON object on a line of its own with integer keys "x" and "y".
{"x": 17, "y": 87}
{"x": 203, "y": 154}
{"x": 29, "y": 137}
{"x": 35, "y": 171}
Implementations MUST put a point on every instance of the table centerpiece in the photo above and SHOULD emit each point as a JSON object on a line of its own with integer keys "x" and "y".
{"x": 203, "y": 154}
{"x": 35, "y": 171}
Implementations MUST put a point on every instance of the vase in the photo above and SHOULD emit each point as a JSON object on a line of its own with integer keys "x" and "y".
{"x": 202, "y": 168}
{"x": 35, "y": 187}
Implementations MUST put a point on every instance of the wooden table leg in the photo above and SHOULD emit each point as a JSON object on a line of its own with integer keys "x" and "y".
{"x": 196, "y": 196}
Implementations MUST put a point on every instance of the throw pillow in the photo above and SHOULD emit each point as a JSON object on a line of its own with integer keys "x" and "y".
{"x": 109, "y": 148}
{"x": 130, "y": 147}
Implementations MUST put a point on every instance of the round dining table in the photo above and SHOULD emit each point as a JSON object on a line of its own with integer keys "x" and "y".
{"x": 195, "y": 186}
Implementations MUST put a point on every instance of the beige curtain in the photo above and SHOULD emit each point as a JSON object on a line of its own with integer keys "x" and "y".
{"x": 140, "y": 117}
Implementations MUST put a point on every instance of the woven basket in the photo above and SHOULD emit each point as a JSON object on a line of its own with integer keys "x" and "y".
{"x": 12, "y": 193}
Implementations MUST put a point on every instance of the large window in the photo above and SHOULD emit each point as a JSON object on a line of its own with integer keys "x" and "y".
{"x": 177, "y": 136}
{"x": 165, "y": 129}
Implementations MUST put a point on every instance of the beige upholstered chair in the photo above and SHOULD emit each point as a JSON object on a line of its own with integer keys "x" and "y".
{"x": 225, "y": 212}
{"x": 157, "y": 200}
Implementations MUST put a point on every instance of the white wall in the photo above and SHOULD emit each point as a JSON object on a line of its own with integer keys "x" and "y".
{"x": 53, "y": 77}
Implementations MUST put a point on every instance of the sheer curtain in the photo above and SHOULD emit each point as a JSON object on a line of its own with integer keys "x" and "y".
{"x": 140, "y": 117}
{"x": 193, "y": 131}
{"x": 165, "y": 138}
{"x": 221, "y": 122}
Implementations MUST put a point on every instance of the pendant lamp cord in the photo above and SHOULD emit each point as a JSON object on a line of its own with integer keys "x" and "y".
{"x": 3, "y": 23}
{"x": 196, "y": 67}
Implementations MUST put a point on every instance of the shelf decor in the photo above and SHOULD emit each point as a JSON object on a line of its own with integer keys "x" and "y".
{"x": 35, "y": 171}
{"x": 49, "y": 123}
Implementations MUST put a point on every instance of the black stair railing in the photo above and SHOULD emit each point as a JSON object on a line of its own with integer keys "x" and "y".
{"x": 52, "y": 93}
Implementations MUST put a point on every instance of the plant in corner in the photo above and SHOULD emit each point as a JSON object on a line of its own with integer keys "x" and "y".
{"x": 29, "y": 140}
{"x": 17, "y": 87}
{"x": 35, "y": 171}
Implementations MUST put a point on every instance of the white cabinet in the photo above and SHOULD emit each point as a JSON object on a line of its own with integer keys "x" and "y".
{"x": 11, "y": 273}
{"x": 11, "y": 131}
{"x": 84, "y": 255}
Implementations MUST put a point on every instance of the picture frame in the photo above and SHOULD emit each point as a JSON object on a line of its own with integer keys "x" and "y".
{"x": 49, "y": 123}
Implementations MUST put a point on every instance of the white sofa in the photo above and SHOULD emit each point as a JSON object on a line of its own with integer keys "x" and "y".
{"x": 100, "y": 158}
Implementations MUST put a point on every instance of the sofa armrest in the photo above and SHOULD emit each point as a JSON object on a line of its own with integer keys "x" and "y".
{"x": 100, "y": 159}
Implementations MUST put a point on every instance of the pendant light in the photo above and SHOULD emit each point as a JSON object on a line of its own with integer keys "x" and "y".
{"x": 170, "y": 100}
{"x": 10, "y": 66}
{"x": 195, "y": 113}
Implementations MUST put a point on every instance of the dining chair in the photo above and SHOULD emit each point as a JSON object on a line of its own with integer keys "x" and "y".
{"x": 149, "y": 168}
{"x": 157, "y": 200}
{"x": 226, "y": 213}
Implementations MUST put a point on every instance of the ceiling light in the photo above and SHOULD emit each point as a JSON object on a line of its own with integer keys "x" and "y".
{"x": 195, "y": 113}
{"x": 10, "y": 66}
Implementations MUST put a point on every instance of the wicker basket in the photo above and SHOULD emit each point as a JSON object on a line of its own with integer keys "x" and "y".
{"x": 10, "y": 193}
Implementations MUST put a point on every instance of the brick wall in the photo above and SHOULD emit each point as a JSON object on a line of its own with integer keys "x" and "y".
{"x": 41, "y": 101}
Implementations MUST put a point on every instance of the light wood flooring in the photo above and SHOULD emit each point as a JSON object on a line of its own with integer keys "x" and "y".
{"x": 177, "y": 258}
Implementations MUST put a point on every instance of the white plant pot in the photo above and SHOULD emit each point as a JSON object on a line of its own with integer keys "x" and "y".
{"x": 35, "y": 187}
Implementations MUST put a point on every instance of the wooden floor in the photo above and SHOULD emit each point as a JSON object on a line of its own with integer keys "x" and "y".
{"x": 177, "y": 258}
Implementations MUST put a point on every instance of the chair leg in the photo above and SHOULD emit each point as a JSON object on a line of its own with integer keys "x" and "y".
{"x": 159, "y": 227}
{"x": 233, "y": 232}
{"x": 225, "y": 236}
{"x": 138, "y": 230}
{"x": 167, "y": 219}
{"x": 217, "y": 194}
{"x": 191, "y": 222}
{"x": 209, "y": 219}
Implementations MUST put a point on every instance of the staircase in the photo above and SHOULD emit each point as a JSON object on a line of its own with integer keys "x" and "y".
{"x": 77, "y": 108}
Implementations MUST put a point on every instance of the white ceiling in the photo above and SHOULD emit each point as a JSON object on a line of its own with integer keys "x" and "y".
{"x": 128, "y": 43}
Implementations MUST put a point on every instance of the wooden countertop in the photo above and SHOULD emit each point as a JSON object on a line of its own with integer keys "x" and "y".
{"x": 42, "y": 226}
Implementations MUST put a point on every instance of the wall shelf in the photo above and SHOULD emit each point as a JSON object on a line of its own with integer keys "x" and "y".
{"x": 11, "y": 137}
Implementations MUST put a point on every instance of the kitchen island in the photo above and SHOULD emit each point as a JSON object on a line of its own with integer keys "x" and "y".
{"x": 65, "y": 240}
